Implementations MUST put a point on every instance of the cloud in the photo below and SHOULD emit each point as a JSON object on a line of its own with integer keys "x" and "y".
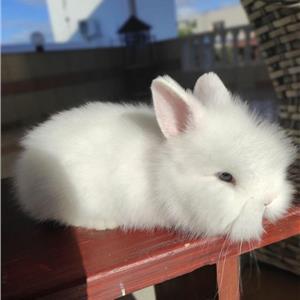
{"x": 185, "y": 8}
{"x": 189, "y": 8}
{"x": 185, "y": 2}
{"x": 186, "y": 12}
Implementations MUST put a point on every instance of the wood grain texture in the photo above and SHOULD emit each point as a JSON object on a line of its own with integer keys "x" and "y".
{"x": 57, "y": 81}
{"x": 228, "y": 278}
{"x": 53, "y": 262}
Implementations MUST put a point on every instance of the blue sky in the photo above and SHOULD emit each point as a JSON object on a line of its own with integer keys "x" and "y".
{"x": 191, "y": 7}
{"x": 22, "y": 17}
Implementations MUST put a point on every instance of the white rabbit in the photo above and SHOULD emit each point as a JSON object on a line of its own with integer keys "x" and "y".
{"x": 199, "y": 162}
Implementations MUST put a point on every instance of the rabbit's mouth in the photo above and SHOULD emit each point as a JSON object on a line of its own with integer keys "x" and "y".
{"x": 247, "y": 226}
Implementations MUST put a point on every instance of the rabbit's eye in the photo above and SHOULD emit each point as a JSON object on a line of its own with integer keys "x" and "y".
{"x": 225, "y": 176}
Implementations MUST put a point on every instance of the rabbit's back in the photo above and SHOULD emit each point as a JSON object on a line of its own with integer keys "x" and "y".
{"x": 79, "y": 166}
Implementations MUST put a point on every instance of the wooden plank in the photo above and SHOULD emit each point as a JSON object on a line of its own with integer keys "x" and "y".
{"x": 46, "y": 260}
{"x": 57, "y": 81}
{"x": 228, "y": 278}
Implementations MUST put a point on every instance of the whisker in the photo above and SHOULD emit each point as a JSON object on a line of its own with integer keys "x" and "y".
{"x": 218, "y": 261}
{"x": 241, "y": 245}
{"x": 227, "y": 241}
{"x": 240, "y": 278}
{"x": 256, "y": 264}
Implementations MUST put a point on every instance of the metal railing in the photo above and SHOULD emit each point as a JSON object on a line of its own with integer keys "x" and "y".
{"x": 228, "y": 47}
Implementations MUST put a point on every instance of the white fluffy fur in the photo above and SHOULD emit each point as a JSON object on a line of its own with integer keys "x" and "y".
{"x": 107, "y": 165}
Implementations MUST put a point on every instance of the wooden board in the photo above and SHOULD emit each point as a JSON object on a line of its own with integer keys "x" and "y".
{"x": 53, "y": 262}
{"x": 228, "y": 278}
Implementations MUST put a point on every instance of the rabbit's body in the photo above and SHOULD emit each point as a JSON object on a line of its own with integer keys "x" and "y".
{"x": 199, "y": 162}
{"x": 93, "y": 167}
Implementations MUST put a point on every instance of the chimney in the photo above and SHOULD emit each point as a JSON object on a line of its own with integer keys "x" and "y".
{"x": 132, "y": 7}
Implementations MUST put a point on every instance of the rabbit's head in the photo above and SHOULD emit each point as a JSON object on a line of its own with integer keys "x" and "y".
{"x": 223, "y": 169}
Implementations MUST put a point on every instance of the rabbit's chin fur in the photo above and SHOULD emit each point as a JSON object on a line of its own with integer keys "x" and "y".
{"x": 108, "y": 165}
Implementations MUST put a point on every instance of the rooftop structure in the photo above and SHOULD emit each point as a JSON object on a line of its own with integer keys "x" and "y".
{"x": 98, "y": 21}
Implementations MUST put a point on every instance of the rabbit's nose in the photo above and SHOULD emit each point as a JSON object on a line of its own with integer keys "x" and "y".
{"x": 269, "y": 198}
{"x": 268, "y": 201}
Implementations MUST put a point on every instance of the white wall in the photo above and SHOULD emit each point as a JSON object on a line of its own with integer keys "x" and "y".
{"x": 232, "y": 16}
{"x": 110, "y": 16}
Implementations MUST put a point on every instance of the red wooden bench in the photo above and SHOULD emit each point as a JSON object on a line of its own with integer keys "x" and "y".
{"x": 52, "y": 262}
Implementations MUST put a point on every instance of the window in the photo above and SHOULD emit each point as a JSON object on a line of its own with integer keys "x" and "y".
{"x": 89, "y": 29}
{"x": 219, "y": 25}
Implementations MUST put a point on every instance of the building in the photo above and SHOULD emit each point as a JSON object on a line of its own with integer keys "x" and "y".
{"x": 225, "y": 17}
{"x": 99, "y": 21}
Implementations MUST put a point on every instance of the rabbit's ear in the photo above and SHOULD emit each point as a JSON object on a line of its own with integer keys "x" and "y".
{"x": 209, "y": 88}
{"x": 171, "y": 104}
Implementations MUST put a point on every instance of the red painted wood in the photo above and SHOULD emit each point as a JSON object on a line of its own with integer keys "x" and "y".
{"x": 228, "y": 278}
{"x": 67, "y": 263}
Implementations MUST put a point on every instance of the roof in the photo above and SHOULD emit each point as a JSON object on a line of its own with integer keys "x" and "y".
{"x": 134, "y": 24}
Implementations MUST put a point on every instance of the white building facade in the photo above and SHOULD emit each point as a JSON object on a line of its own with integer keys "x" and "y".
{"x": 96, "y": 22}
{"x": 229, "y": 16}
